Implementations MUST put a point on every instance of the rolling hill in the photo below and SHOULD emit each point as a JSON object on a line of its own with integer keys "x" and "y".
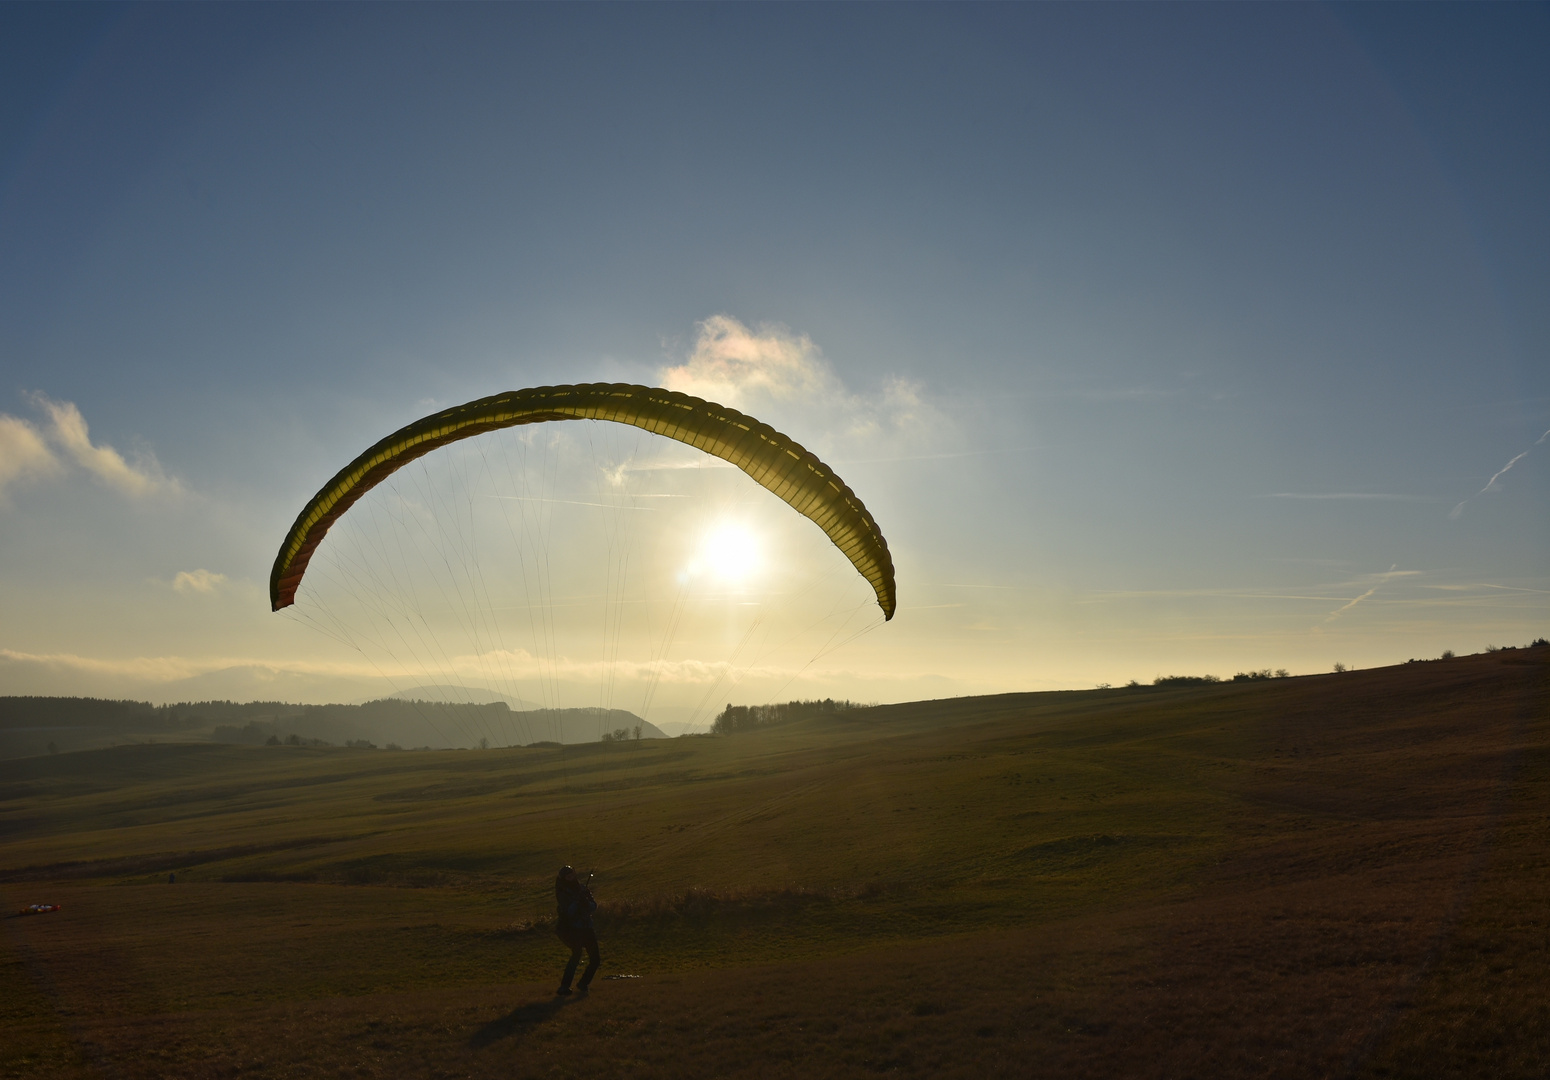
{"x": 33, "y": 726}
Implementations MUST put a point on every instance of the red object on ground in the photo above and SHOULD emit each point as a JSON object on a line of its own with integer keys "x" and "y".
{"x": 38, "y": 909}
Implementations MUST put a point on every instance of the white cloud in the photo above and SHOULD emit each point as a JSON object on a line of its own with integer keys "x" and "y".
{"x": 30, "y": 451}
{"x": 67, "y": 430}
{"x": 139, "y": 668}
{"x": 770, "y": 365}
{"x": 201, "y": 582}
{"x": 731, "y": 363}
{"x": 24, "y": 455}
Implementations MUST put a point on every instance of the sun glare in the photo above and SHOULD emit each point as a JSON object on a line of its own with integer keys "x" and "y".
{"x": 730, "y": 553}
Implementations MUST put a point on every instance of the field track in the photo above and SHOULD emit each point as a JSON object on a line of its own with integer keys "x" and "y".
{"x": 1341, "y": 875}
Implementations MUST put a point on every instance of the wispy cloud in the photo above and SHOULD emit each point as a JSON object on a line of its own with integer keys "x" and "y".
{"x": 33, "y": 451}
{"x": 1342, "y": 495}
{"x": 665, "y": 465}
{"x": 138, "y": 668}
{"x": 198, "y": 582}
{"x": 1200, "y": 594}
{"x": 1491, "y": 484}
{"x": 67, "y": 430}
{"x": 24, "y": 455}
{"x": 487, "y": 666}
{"x": 941, "y": 457}
{"x": 1497, "y": 591}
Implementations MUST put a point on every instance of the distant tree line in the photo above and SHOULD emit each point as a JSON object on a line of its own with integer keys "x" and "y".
{"x": 1282, "y": 673}
{"x": 1207, "y": 680}
{"x": 736, "y": 718}
{"x": 1185, "y": 680}
{"x": 297, "y": 740}
{"x": 71, "y": 712}
{"x": 37, "y": 725}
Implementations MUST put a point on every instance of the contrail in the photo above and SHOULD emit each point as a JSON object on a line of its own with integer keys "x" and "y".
{"x": 1382, "y": 580}
{"x": 1491, "y": 483}
{"x": 1340, "y": 611}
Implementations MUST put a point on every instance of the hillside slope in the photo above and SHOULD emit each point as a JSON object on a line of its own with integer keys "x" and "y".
{"x": 1334, "y": 875}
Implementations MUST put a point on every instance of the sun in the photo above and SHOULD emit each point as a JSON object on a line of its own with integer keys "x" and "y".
{"x": 730, "y": 552}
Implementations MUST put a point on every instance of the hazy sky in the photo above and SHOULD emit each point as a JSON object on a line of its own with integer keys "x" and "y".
{"x": 1158, "y": 339}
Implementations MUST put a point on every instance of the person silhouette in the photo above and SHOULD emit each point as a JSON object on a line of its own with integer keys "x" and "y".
{"x": 574, "y": 905}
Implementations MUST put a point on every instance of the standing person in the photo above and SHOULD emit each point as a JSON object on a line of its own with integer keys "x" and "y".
{"x": 574, "y": 906}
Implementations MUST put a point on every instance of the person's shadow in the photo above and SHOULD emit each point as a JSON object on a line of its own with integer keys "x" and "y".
{"x": 519, "y": 1021}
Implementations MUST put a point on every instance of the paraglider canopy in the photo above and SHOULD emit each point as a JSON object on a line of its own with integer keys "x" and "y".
{"x": 772, "y": 459}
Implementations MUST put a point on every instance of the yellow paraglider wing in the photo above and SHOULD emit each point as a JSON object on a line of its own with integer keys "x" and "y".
{"x": 772, "y": 459}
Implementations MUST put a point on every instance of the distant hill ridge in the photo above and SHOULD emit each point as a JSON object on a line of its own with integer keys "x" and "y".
{"x": 39, "y": 725}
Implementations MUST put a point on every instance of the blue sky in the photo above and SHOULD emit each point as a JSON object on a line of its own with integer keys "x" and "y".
{"x": 1157, "y": 338}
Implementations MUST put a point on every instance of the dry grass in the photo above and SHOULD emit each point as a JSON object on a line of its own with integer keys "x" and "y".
{"x": 1335, "y": 876}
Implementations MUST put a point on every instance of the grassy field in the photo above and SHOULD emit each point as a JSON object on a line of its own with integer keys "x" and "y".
{"x": 1343, "y": 875}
